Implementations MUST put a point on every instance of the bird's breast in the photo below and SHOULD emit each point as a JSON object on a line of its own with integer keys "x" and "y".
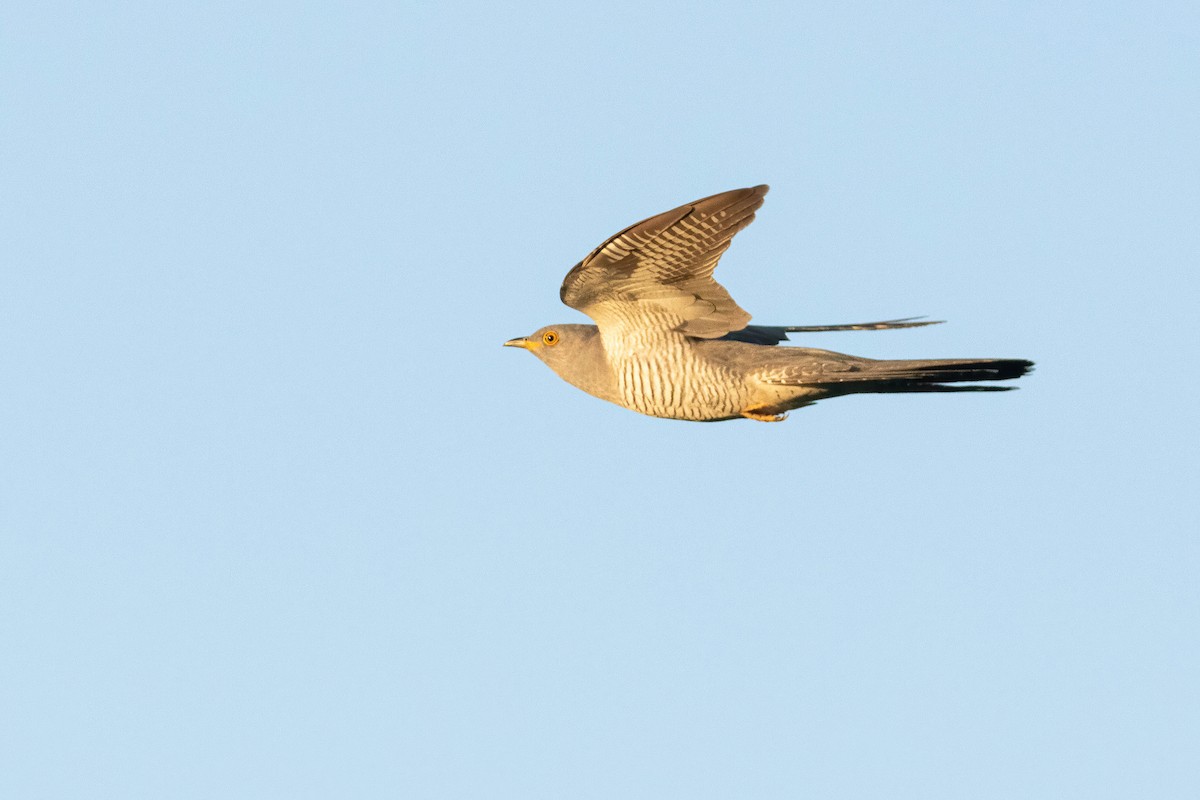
{"x": 667, "y": 377}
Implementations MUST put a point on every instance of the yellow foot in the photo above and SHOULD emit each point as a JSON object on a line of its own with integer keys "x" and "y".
{"x": 764, "y": 417}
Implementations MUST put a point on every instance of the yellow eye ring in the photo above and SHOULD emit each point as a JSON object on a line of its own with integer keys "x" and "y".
{"x": 550, "y": 338}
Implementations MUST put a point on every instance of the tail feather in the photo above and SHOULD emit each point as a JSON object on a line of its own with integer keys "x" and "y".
{"x": 927, "y": 376}
{"x": 953, "y": 370}
{"x": 889, "y": 387}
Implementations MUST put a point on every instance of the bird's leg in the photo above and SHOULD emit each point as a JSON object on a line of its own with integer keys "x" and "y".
{"x": 750, "y": 413}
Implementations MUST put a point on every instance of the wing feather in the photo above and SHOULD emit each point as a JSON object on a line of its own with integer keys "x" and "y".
{"x": 661, "y": 269}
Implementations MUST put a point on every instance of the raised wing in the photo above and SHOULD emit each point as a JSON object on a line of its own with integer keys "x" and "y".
{"x": 659, "y": 271}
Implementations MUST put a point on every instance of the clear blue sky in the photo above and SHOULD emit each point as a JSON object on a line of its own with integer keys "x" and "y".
{"x": 279, "y": 518}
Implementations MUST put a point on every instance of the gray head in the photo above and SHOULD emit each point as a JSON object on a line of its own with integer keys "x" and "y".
{"x": 576, "y": 353}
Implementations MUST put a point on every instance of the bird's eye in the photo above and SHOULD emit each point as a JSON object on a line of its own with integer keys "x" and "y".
{"x": 550, "y": 338}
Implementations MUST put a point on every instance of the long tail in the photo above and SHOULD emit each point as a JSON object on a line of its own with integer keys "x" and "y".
{"x": 928, "y": 376}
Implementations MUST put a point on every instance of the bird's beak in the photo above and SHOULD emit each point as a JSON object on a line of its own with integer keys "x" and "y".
{"x": 520, "y": 342}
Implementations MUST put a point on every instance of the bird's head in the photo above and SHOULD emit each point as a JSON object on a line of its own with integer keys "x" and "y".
{"x": 559, "y": 345}
{"x": 575, "y": 353}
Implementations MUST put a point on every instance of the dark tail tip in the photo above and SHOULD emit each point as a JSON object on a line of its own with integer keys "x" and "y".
{"x": 932, "y": 376}
{"x": 1006, "y": 368}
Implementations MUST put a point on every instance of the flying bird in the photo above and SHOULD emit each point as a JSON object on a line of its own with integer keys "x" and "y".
{"x": 670, "y": 342}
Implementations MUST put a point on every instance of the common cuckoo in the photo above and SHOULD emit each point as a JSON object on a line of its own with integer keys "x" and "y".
{"x": 670, "y": 342}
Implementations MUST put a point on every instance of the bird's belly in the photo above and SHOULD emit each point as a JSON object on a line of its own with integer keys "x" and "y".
{"x": 663, "y": 384}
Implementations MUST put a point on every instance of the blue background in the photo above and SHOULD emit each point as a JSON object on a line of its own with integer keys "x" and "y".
{"x": 280, "y": 518}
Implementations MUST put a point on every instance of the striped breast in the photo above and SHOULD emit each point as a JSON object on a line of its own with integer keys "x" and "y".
{"x": 659, "y": 372}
